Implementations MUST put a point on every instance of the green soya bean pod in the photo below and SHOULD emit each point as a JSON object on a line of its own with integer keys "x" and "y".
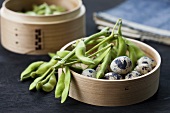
{"x": 40, "y": 12}
{"x": 132, "y": 56}
{"x": 114, "y": 53}
{"x": 35, "y": 8}
{"x": 61, "y": 9}
{"x": 42, "y": 6}
{"x": 53, "y": 7}
{"x": 103, "y": 32}
{"x": 51, "y": 55}
{"x": 67, "y": 81}
{"x": 104, "y": 65}
{"x": 78, "y": 67}
{"x": 60, "y": 85}
{"x": 80, "y": 53}
{"x": 49, "y": 86}
{"x": 92, "y": 42}
{"x": 112, "y": 37}
{"x": 122, "y": 47}
{"x": 100, "y": 51}
{"x": 32, "y": 67}
{"x": 47, "y": 10}
{"x": 139, "y": 53}
{"x": 99, "y": 59}
{"x": 101, "y": 46}
{"x": 62, "y": 54}
{"x": 44, "y": 81}
{"x": 43, "y": 68}
{"x": 34, "y": 83}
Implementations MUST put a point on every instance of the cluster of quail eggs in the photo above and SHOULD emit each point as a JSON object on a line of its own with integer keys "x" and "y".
{"x": 121, "y": 68}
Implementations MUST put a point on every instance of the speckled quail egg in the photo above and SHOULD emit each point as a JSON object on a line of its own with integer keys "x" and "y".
{"x": 89, "y": 73}
{"x": 113, "y": 76}
{"x": 132, "y": 74}
{"x": 146, "y": 60}
{"x": 121, "y": 65}
{"x": 143, "y": 68}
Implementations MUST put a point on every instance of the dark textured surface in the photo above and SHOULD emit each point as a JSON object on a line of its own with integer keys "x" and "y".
{"x": 16, "y": 98}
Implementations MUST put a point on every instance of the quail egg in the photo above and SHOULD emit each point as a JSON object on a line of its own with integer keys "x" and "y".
{"x": 146, "y": 60}
{"x": 143, "y": 68}
{"x": 132, "y": 74}
{"x": 113, "y": 76}
{"x": 89, "y": 73}
{"x": 121, "y": 65}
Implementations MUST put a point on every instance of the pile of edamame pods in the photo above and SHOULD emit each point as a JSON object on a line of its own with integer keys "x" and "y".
{"x": 105, "y": 47}
{"x": 45, "y": 9}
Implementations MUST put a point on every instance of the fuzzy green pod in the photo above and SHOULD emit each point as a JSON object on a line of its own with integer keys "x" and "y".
{"x": 32, "y": 67}
{"x": 42, "y": 6}
{"x": 60, "y": 9}
{"x": 43, "y": 68}
{"x": 62, "y": 54}
{"x": 139, "y": 53}
{"x": 101, "y": 46}
{"x": 51, "y": 55}
{"x": 67, "y": 81}
{"x": 60, "y": 85}
{"x": 113, "y": 53}
{"x": 105, "y": 63}
{"x": 35, "y": 8}
{"x": 98, "y": 59}
{"x": 44, "y": 81}
{"x": 103, "y": 32}
{"x": 122, "y": 47}
{"x": 34, "y": 83}
{"x": 80, "y": 53}
{"x": 49, "y": 86}
{"x": 41, "y": 12}
{"x": 47, "y": 10}
{"x": 132, "y": 56}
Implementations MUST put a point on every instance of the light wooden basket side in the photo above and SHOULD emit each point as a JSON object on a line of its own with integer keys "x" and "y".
{"x": 102, "y": 92}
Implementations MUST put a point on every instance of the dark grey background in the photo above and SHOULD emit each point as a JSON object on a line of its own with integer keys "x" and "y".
{"x": 16, "y": 98}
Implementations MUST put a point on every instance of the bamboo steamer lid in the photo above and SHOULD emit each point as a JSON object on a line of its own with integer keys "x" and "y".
{"x": 26, "y": 34}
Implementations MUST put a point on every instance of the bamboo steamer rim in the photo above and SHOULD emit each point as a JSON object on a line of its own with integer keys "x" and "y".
{"x": 122, "y": 80}
{"x": 41, "y": 18}
{"x": 81, "y": 13}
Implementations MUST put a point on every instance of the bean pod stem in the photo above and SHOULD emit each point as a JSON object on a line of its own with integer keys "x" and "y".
{"x": 103, "y": 32}
{"x": 99, "y": 59}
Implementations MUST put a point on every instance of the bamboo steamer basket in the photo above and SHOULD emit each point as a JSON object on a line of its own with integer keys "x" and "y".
{"x": 26, "y": 34}
{"x": 102, "y": 92}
